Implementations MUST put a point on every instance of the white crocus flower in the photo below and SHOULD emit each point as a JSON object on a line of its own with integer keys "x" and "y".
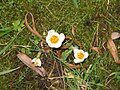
{"x": 79, "y": 55}
{"x": 54, "y": 40}
{"x": 36, "y": 62}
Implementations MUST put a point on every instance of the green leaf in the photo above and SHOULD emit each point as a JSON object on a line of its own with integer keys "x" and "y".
{"x": 4, "y": 33}
{"x": 17, "y": 28}
{"x": 22, "y": 24}
{"x": 5, "y": 29}
{"x": 8, "y": 71}
{"x": 75, "y": 3}
{"x": 66, "y": 54}
{"x": 16, "y": 23}
{"x": 30, "y": 1}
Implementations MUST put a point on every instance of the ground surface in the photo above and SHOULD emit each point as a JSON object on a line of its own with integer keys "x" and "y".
{"x": 94, "y": 22}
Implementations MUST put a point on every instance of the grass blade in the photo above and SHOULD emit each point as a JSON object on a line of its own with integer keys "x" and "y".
{"x": 8, "y": 71}
{"x": 7, "y": 47}
{"x": 4, "y": 33}
{"x": 75, "y": 3}
{"x": 66, "y": 54}
{"x": 5, "y": 29}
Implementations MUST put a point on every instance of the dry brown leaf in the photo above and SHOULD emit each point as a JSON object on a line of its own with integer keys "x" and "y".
{"x": 75, "y": 66}
{"x": 79, "y": 43}
{"x": 27, "y": 61}
{"x": 115, "y": 35}
{"x": 73, "y": 30}
{"x": 33, "y": 28}
{"x": 59, "y": 54}
{"x": 46, "y": 49}
{"x": 98, "y": 50}
{"x": 68, "y": 37}
{"x": 113, "y": 50}
{"x": 64, "y": 47}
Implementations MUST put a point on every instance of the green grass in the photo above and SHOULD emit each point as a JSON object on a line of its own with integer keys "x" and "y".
{"x": 90, "y": 17}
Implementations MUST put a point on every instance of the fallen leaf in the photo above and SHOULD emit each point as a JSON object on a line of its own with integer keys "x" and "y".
{"x": 68, "y": 37}
{"x": 27, "y": 61}
{"x": 75, "y": 66}
{"x": 64, "y": 47}
{"x": 73, "y": 30}
{"x": 97, "y": 49}
{"x": 113, "y": 50}
{"x": 115, "y": 35}
{"x": 79, "y": 43}
{"x": 33, "y": 28}
{"x": 59, "y": 54}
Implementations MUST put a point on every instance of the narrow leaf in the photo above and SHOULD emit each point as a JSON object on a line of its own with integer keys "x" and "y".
{"x": 8, "y": 71}
{"x": 27, "y": 61}
{"x": 16, "y": 23}
{"x": 75, "y": 3}
{"x": 97, "y": 49}
{"x": 2, "y": 33}
{"x": 12, "y": 40}
{"x": 113, "y": 50}
{"x": 66, "y": 54}
{"x": 76, "y": 66}
{"x": 73, "y": 30}
{"x": 5, "y": 29}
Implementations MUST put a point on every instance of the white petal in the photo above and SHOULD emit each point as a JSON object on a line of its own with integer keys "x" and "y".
{"x": 86, "y": 55}
{"x": 48, "y": 41}
{"x": 62, "y": 37}
{"x": 75, "y": 49}
{"x": 58, "y": 45}
{"x": 81, "y": 51}
{"x": 78, "y": 61}
{"x": 50, "y": 45}
{"x": 33, "y": 60}
{"x": 48, "y": 38}
{"x": 51, "y": 31}
{"x": 39, "y": 62}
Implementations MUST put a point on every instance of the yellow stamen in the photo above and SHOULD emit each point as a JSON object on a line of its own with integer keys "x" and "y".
{"x": 80, "y": 55}
{"x": 36, "y": 63}
{"x": 54, "y": 39}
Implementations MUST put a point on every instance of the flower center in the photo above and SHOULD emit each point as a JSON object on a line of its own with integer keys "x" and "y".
{"x": 80, "y": 55}
{"x": 36, "y": 63}
{"x": 54, "y": 39}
